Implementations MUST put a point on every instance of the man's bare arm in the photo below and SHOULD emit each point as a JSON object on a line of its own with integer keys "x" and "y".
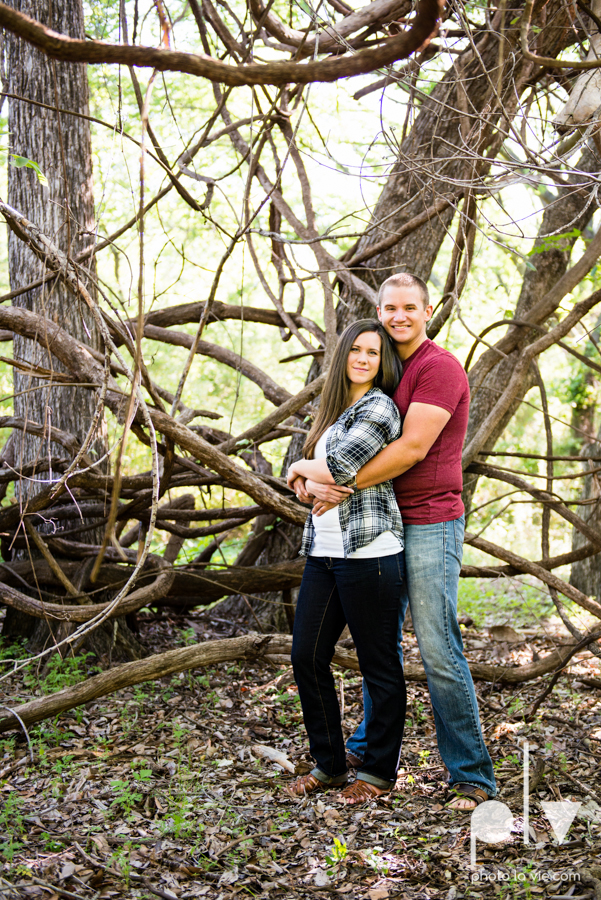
{"x": 423, "y": 423}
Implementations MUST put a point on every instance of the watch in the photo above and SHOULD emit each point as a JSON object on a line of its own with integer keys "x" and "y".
{"x": 353, "y": 484}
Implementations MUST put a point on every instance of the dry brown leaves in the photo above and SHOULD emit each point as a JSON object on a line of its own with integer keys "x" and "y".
{"x": 163, "y": 791}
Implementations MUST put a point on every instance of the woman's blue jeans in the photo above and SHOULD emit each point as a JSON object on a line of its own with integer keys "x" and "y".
{"x": 364, "y": 593}
{"x": 433, "y": 556}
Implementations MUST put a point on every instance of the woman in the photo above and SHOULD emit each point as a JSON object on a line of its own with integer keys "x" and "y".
{"x": 353, "y": 569}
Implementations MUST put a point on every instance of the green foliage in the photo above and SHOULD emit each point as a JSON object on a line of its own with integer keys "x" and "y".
{"x": 487, "y": 604}
{"x": 555, "y": 241}
{"x": 424, "y": 756}
{"x": 21, "y": 162}
{"x": 51, "y": 845}
{"x": 61, "y": 672}
{"x": 12, "y": 650}
{"x": 125, "y": 798}
{"x": 12, "y": 825}
{"x": 121, "y": 859}
{"x": 63, "y": 763}
{"x": 338, "y": 853}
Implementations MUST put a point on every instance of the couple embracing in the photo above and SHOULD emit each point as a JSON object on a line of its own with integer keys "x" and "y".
{"x": 383, "y": 468}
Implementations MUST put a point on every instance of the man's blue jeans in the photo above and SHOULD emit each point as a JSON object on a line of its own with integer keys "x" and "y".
{"x": 433, "y": 561}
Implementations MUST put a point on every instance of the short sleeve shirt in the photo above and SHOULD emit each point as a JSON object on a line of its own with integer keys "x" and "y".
{"x": 430, "y": 491}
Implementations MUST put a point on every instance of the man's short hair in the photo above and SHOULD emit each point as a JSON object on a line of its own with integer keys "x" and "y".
{"x": 405, "y": 279}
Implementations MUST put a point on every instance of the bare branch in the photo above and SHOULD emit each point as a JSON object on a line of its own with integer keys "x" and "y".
{"x": 59, "y": 46}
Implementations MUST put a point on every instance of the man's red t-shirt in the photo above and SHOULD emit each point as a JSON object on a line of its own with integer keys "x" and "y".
{"x": 430, "y": 491}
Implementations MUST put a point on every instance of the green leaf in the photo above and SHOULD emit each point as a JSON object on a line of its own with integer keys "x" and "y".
{"x": 21, "y": 162}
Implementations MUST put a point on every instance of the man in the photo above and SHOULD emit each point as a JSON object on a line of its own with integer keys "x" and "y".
{"x": 425, "y": 465}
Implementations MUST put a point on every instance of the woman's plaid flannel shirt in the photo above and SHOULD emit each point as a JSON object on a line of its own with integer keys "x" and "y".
{"x": 361, "y": 431}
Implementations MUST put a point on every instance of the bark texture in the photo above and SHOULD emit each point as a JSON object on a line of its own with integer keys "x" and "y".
{"x": 572, "y": 209}
{"x": 64, "y": 210}
{"x": 61, "y": 145}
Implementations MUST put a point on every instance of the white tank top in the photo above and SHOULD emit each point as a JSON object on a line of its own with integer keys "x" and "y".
{"x": 328, "y": 533}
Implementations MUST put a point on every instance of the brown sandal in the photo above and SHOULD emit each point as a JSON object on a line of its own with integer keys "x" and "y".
{"x": 303, "y": 785}
{"x": 359, "y": 791}
{"x": 462, "y": 791}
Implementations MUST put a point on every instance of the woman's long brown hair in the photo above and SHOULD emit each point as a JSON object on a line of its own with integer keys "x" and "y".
{"x": 335, "y": 397}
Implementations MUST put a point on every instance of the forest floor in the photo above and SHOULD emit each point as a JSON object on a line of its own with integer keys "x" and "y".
{"x": 161, "y": 790}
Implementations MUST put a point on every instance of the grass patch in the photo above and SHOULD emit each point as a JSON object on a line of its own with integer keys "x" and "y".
{"x": 510, "y": 602}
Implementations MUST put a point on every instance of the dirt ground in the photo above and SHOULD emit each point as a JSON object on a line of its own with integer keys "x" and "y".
{"x": 174, "y": 788}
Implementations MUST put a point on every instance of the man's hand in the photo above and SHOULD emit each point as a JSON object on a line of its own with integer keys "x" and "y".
{"x": 328, "y": 493}
{"x": 320, "y": 507}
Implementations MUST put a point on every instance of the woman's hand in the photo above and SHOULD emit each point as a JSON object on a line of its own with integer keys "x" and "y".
{"x": 299, "y": 486}
{"x": 292, "y": 476}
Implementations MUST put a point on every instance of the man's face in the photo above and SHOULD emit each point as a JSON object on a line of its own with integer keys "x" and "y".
{"x": 403, "y": 315}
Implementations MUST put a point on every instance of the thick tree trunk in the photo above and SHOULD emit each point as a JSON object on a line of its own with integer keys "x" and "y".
{"x": 454, "y": 126}
{"x": 61, "y": 145}
{"x": 434, "y": 156}
{"x": 572, "y": 210}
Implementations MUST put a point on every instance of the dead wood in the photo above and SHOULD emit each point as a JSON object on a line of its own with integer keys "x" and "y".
{"x": 186, "y": 313}
{"x": 69, "y": 613}
{"x": 86, "y": 369}
{"x": 191, "y": 586}
{"x": 250, "y": 646}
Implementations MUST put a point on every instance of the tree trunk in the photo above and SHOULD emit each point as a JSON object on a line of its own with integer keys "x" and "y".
{"x": 61, "y": 146}
{"x": 431, "y": 158}
{"x": 571, "y": 210}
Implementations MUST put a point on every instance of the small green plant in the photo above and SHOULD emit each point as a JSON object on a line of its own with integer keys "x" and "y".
{"x": 516, "y": 706}
{"x": 423, "y": 758}
{"x": 61, "y": 672}
{"x": 374, "y": 860}
{"x": 420, "y": 715}
{"x": 144, "y": 773}
{"x": 338, "y": 853}
{"x": 50, "y": 844}
{"x": 63, "y": 763}
{"x": 11, "y": 826}
{"x": 187, "y": 636}
{"x": 10, "y": 650}
{"x": 125, "y": 797}
{"x": 122, "y": 859}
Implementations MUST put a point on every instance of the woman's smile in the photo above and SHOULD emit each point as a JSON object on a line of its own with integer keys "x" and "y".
{"x": 363, "y": 361}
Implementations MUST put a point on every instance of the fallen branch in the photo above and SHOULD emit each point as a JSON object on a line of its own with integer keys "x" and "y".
{"x": 190, "y": 586}
{"x": 251, "y": 646}
{"x": 70, "y": 613}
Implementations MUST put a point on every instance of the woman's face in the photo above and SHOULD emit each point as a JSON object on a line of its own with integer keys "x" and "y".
{"x": 363, "y": 361}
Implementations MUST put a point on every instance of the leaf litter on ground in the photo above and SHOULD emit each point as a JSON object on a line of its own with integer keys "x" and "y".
{"x": 175, "y": 789}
